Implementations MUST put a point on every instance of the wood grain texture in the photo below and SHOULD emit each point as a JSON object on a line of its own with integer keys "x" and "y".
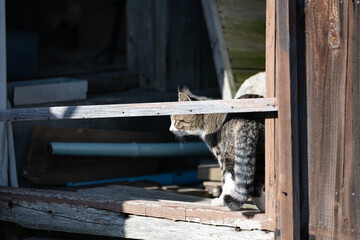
{"x": 3, "y": 76}
{"x": 270, "y": 161}
{"x": 129, "y": 200}
{"x": 243, "y": 26}
{"x": 287, "y": 143}
{"x": 354, "y": 186}
{"x": 219, "y": 49}
{"x": 3, "y": 97}
{"x": 141, "y": 47}
{"x": 141, "y": 109}
{"x": 333, "y": 118}
{"x": 168, "y": 45}
{"x": 209, "y": 172}
{"x": 103, "y": 223}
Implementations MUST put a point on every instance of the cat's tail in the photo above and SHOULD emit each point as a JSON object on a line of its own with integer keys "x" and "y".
{"x": 244, "y": 170}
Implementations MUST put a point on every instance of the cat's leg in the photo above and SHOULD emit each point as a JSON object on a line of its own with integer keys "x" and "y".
{"x": 228, "y": 188}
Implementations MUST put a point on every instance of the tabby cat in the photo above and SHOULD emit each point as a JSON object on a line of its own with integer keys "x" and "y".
{"x": 237, "y": 141}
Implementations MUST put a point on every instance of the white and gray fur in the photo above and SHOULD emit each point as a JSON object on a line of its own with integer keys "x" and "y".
{"x": 237, "y": 141}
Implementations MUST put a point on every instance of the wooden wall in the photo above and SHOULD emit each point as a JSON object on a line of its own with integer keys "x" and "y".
{"x": 333, "y": 119}
{"x": 167, "y": 44}
{"x": 318, "y": 164}
{"x": 243, "y": 25}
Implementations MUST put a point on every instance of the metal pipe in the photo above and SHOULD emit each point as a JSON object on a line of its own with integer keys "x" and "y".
{"x": 129, "y": 149}
{"x": 177, "y": 178}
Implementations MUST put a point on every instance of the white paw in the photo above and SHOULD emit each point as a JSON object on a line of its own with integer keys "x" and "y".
{"x": 217, "y": 202}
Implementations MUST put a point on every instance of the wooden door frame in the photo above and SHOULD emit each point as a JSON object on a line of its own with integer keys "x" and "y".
{"x": 282, "y": 134}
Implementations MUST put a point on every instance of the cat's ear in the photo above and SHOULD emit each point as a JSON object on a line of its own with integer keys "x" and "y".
{"x": 184, "y": 97}
{"x": 184, "y": 93}
{"x": 184, "y": 89}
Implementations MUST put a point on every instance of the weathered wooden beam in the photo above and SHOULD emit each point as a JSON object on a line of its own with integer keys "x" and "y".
{"x": 140, "y": 109}
{"x": 332, "y": 117}
{"x": 270, "y": 136}
{"x": 219, "y": 51}
{"x": 3, "y": 98}
{"x": 115, "y": 201}
{"x": 287, "y": 134}
{"x": 65, "y": 218}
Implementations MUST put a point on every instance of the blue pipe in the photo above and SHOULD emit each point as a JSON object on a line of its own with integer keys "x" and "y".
{"x": 177, "y": 178}
{"x": 129, "y": 149}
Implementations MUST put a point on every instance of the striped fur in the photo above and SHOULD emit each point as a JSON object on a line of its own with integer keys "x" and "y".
{"x": 237, "y": 141}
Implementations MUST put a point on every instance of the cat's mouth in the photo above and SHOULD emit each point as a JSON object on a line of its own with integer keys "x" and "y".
{"x": 178, "y": 133}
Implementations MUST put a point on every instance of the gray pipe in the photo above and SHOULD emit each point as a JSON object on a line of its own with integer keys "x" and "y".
{"x": 129, "y": 149}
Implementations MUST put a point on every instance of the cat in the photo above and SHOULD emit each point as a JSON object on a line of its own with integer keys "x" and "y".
{"x": 237, "y": 141}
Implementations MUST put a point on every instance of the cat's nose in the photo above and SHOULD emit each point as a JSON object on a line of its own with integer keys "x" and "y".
{"x": 172, "y": 127}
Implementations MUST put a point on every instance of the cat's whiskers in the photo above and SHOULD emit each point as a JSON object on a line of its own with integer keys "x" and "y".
{"x": 181, "y": 140}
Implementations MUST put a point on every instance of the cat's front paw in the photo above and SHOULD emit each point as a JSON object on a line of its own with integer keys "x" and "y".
{"x": 217, "y": 202}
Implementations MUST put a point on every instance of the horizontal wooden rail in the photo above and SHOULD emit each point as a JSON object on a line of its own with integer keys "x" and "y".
{"x": 140, "y": 109}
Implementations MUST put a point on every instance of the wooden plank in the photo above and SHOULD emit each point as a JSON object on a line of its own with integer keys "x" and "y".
{"x": 355, "y": 61}
{"x": 3, "y": 78}
{"x": 349, "y": 203}
{"x": 130, "y": 200}
{"x": 333, "y": 103}
{"x": 166, "y": 46}
{"x": 161, "y": 22}
{"x": 184, "y": 44}
{"x": 141, "y": 48}
{"x": 288, "y": 191}
{"x": 48, "y": 90}
{"x": 209, "y": 172}
{"x": 127, "y": 193}
{"x": 3, "y": 97}
{"x": 270, "y": 161}
{"x": 142, "y": 109}
{"x": 218, "y": 46}
{"x": 243, "y": 25}
{"x": 303, "y": 168}
{"x": 132, "y": 50}
{"x": 324, "y": 110}
{"x": 108, "y": 224}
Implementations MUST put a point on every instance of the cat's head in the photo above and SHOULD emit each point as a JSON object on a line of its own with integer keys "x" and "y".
{"x": 193, "y": 124}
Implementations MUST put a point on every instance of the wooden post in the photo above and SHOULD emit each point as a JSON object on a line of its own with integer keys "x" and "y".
{"x": 287, "y": 144}
{"x": 332, "y": 78}
{"x": 218, "y": 46}
{"x": 355, "y": 167}
{"x": 270, "y": 166}
{"x": 3, "y": 98}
